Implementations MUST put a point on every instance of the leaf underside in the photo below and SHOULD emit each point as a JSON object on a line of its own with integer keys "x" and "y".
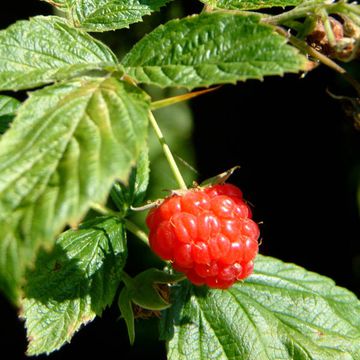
{"x": 280, "y": 312}
{"x": 67, "y": 145}
{"x": 208, "y": 49}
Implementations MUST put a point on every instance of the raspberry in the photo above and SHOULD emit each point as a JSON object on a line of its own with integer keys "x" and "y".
{"x": 207, "y": 233}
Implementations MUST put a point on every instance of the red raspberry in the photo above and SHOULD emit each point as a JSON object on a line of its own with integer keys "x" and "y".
{"x": 206, "y": 233}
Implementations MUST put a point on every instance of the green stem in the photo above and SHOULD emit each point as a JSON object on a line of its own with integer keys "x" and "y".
{"x": 130, "y": 226}
{"x": 308, "y": 8}
{"x": 103, "y": 210}
{"x": 296, "y": 13}
{"x": 328, "y": 28}
{"x": 303, "y": 46}
{"x": 134, "y": 229}
{"x": 169, "y": 156}
{"x": 128, "y": 281}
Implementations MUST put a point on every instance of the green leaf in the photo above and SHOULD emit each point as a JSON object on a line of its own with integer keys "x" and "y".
{"x": 67, "y": 145}
{"x": 47, "y": 49}
{"x": 141, "y": 178}
{"x": 105, "y": 15}
{"x": 280, "y": 312}
{"x": 143, "y": 290}
{"x": 8, "y": 107}
{"x": 73, "y": 283}
{"x": 127, "y": 313}
{"x": 210, "y": 49}
{"x": 133, "y": 193}
{"x": 249, "y": 4}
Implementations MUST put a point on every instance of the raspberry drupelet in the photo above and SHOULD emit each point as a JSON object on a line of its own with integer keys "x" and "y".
{"x": 207, "y": 233}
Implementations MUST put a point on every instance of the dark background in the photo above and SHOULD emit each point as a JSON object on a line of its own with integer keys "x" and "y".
{"x": 299, "y": 157}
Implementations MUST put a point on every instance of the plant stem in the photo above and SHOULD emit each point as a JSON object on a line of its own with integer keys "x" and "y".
{"x": 303, "y": 46}
{"x": 328, "y": 28}
{"x": 129, "y": 225}
{"x": 134, "y": 229}
{"x": 103, "y": 210}
{"x": 126, "y": 279}
{"x": 169, "y": 156}
{"x": 296, "y": 13}
{"x": 304, "y": 10}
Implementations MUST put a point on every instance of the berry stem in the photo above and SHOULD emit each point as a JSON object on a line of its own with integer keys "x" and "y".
{"x": 169, "y": 156}
{"x": 134, "y": 229}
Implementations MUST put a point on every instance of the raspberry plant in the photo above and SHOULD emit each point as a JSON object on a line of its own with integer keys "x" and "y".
{"x": 75, "y": 166}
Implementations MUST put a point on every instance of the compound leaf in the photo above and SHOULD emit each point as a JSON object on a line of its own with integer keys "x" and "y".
{"x": 67, "y": 145}
{"x": 73, "y": 283}
{"x": 209, "y": 49}
{"x": 280, "y": 312}
{"x": 47, "y": 49}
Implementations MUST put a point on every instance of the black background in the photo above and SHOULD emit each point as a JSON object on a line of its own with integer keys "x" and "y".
{"x": 299, "y": 157}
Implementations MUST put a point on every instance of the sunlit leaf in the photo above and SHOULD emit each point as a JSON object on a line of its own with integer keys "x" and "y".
{"x": 281, "y": 312}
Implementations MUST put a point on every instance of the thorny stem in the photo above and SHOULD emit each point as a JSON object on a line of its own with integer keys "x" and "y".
{"x": 169, "y": 156}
